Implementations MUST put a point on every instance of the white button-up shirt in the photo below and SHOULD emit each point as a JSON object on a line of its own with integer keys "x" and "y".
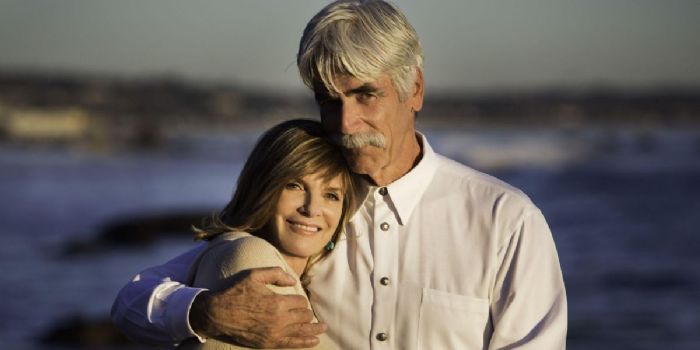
{"x": 447, "y": 258}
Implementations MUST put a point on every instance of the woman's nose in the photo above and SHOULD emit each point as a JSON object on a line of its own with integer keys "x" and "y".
{"x": 311, "y": 206}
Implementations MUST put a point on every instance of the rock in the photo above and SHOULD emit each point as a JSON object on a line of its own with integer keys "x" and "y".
{"x": 136, "y": 231}
{"x": 80, "y": 332}
{"x": 146, "y": 229}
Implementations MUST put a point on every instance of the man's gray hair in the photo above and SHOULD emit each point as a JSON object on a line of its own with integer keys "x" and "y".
{"x": 362, "y": 39}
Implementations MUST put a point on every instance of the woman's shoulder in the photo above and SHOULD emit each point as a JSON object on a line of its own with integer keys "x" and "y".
{"x": 241, "y": 245}
{"x": 231, "y": 253}
{"x": 239, "y": 239}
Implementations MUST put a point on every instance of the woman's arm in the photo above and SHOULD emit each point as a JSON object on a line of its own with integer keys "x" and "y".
{"x": 157, "y": 308}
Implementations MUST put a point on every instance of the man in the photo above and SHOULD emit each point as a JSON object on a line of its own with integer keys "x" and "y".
{"x": 438, "y": 256}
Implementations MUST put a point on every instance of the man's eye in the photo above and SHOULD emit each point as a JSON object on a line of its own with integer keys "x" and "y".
{"x": 366, "y": 97}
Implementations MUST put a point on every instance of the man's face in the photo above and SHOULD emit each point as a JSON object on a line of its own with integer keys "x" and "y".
{"x": 372, "y": 107}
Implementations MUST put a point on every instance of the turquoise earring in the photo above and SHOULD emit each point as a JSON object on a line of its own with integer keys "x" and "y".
{"x": 329, "y": 246}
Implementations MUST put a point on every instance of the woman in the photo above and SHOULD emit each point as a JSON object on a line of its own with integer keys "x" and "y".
{"x": 294, "y": 196}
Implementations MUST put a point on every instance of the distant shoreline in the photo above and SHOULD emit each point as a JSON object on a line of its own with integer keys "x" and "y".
{"x": 100, "y": 112}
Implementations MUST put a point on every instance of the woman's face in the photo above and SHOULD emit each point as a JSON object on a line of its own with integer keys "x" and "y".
{"x": 307, "y": 214}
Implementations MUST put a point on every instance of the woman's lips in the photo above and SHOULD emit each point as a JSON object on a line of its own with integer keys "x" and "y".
{"x": 304, "y": 227}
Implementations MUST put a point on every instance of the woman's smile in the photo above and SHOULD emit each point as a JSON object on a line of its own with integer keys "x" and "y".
{"x": 303, "y": 228}
{"x": 307, "y": 215}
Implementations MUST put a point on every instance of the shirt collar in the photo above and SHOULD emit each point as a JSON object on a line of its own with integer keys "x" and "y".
{"x": 406, "y": 192}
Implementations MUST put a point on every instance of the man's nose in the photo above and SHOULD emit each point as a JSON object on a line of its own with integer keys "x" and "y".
{"x": 350, "y": 116}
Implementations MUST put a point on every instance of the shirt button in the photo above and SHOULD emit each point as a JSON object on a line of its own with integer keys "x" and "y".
{"x": 384, "y": 281}
{"x": 384, "y": 226}
{"x": 382, "y": 336}
{"x": 383, "y": 191}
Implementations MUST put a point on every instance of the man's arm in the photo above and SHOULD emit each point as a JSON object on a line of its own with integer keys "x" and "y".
{"x": 235, "y": 259}
{"x": 529, "y": 299}
{"x": 153, "y": 307}
{"x": 156, "y": 308}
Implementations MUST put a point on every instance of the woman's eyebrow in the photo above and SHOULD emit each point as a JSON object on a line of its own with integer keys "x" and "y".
{"x": 334, "y": 189}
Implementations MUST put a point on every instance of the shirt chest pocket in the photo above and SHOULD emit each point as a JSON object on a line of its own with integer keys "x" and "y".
{"x": 452, "y": 321}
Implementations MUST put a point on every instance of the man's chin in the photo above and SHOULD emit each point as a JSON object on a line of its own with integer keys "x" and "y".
{"x": 362, "y": 160}
{"x": 361, "y": 165}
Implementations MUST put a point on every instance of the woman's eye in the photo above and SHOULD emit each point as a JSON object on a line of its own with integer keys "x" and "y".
{"x": 293, "y": 186}
{"x": 333, "y": 196}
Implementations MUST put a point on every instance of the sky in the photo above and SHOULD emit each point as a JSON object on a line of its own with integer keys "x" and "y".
{"x": 468, "y": 45}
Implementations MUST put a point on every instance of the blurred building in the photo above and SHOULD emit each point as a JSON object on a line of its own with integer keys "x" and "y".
{"x": 65, "y": 124}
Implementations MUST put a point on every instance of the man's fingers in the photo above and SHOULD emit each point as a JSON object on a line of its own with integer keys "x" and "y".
{"x": 305, "y": 330}
{"x": 298, "y": 343}
{"x": 301, "y": 315}
{"x": 272, "y": 275}
{"x": 302, "y": 335}
{"x": 291, "y": 302}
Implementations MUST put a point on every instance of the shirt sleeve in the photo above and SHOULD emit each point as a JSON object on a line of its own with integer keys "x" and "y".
{"x": 529, "y": 308}
{"x": 153, "y": 308}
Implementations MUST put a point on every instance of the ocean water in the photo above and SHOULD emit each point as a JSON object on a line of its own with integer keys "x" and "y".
{"x": 623, "y": 205}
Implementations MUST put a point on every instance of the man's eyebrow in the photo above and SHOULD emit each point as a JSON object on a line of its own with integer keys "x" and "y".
{"x": 366, "y": 88}
{"x": 362, "y": 89}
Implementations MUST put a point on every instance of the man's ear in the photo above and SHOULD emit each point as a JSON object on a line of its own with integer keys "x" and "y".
{"x": 416, "y": 97}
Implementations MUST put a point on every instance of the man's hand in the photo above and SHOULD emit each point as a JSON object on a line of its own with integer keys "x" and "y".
{"x": 250, "y": 314}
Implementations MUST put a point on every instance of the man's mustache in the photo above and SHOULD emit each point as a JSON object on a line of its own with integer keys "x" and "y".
{"x": 359, "y": 140}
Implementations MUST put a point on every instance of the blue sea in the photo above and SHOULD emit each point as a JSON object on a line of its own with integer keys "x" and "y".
{"x": 623, "y": 205}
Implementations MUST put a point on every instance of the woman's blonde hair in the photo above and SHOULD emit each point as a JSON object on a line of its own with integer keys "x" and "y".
{"x": 362, "y": 39}
{"x": 287, "y": 152}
